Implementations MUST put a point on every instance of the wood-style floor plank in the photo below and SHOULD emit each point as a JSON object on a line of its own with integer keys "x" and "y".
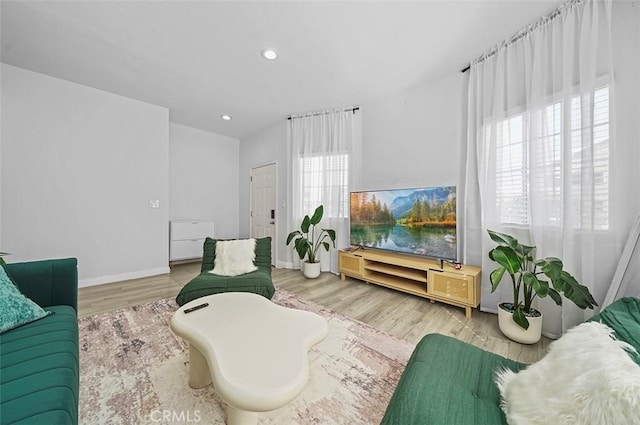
{"x": 402, "y": 315}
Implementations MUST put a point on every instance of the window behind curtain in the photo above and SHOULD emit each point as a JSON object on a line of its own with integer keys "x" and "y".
{"x": 325, "y": 177}
{"x": 530, "y": 162}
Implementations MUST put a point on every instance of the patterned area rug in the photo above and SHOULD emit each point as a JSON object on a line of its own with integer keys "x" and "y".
{"x": 133, "y": 370}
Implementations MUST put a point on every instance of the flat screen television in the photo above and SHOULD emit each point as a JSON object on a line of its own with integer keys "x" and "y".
{"x": 420, "y": 221}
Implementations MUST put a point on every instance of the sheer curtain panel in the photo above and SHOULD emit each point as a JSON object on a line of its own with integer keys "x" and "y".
{"x": 324, "y": 149}
{"x": 540, "y": 151}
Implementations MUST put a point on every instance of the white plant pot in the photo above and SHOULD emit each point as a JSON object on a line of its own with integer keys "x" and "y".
{"x": 311, "y": 270}
{"x": 514, "y": 332}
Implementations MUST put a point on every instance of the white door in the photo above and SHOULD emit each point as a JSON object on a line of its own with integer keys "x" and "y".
{"x": 263, "y": 204}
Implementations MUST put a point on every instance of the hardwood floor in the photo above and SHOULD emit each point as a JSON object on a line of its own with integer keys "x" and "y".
{"x": 112, "y": 296}
{"x": 402, "y": 315}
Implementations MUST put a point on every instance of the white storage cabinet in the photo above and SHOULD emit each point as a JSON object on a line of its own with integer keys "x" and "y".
{"x": 186, "y": 238}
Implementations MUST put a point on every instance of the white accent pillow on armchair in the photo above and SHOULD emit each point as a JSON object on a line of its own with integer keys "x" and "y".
{"x": 235, "y": 257}
{"x": 586, "y": 378}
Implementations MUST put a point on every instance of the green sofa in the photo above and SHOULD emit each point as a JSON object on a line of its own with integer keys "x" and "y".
{"x": 447, "y": 381}
{"x": 39, "y": 369}
{"x": 259, "y": 281}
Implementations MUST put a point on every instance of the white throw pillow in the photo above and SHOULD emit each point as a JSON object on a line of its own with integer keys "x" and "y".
{"x": 235, "y": 257}
{"x": 586, "y": 378}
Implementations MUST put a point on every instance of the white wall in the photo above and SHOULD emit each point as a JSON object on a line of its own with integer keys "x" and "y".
{"x": 418, "y": 137}
{"x": 203, "y": 178}
{"x": 415, "y": 138}
{"x": 78, "y": 169}
{"x": 265, "y": 147}
{"x": 410, "y": 139}
{"x": 79, "y": 165}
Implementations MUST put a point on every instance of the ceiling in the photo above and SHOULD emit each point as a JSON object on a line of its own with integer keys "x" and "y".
{"x": 201, "y": 59}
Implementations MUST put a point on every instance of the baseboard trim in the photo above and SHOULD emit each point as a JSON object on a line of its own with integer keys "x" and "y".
{"x": 489, "y": 310}
{"x": 285, "y": 265}
{"x": 123, "y": 276}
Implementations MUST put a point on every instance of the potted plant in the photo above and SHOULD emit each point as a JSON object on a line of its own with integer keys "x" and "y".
{"x": 518, "y": 320}
{"x": 307, "y": 242}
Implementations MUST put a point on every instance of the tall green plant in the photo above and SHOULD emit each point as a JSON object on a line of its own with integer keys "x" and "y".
{"x": 527, "y": 273}
{"x": 306, "y": 242}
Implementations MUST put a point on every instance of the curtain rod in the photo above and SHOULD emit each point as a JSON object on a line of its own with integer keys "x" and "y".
{"x": 314, "y": 114}
{"x": 523, "y": 32}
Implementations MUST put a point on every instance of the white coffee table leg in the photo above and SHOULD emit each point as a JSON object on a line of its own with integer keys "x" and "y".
{"x": 236, "y": 416}
{"x": 199, "y": 374}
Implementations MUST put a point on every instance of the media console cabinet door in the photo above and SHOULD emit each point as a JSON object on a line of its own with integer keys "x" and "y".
{"x": 455, "y": 287}
{"x": 350, "y": 264}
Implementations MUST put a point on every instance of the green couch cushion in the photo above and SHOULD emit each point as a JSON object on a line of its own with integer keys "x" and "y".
{"x": 623, "y": 316}
{"x": 447, "y": 381}
{"x": 39, "y": 371}
{"x": 15, "y": 308}
{"x": 47, "y": 282}
{"x": 258, "y": 282}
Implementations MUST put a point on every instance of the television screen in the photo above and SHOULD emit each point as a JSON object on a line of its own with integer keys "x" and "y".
{"x": 418, "y": 221}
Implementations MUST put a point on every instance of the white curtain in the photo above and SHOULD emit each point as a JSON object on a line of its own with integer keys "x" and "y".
{"x": 324, "y": 152}
{"x": 626, "y": 280}
{"x": 541, "y": 150}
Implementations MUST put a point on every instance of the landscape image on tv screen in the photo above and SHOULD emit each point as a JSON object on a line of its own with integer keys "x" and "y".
{"x": 418, "y": 221}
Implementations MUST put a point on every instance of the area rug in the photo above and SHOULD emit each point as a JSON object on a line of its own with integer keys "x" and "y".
{"x": 134, "y": 370}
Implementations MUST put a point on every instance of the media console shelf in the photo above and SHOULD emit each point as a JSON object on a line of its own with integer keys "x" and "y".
{"x": 419, "y": 276}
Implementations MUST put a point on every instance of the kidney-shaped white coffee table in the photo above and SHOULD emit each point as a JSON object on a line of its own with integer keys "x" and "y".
{"x": 254, "y": 351}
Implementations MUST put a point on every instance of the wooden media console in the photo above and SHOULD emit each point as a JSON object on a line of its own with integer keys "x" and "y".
{"x": 424, "y": 277}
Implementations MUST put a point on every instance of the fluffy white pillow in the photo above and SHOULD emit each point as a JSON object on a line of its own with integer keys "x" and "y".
{"x": 585, "y": 378}
{"x": 235, "y": 257}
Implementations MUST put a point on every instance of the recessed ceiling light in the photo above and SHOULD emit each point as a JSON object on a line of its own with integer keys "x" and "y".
{"x": 226, "y": 117}
{"x": 270, "y": 54}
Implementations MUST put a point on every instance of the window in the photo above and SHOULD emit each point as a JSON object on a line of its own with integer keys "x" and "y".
{"x": 590, "y": 148}
{"x": 511, "y": 176}
{"x": 545, "y": 154}
{"x": 325, "y": 177}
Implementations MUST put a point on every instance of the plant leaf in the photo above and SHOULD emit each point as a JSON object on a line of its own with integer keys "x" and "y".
{"x": 520, "y": 318}
{"x": 306, "y": 222}
{"x": 302, "y": 247}
{"x": 507, "y": 258}
{"x": 503, "y": 240}
{"x": 293, "y": 235}
{"x": 495, "y": 277}
{"x": 555, "y": 296}
{"x": 332, "y": 234}
{"x": 551, "y": 267}
{"x": 326, "y": 245}
{"x": 576, "y": 292}
{"x": 541, "y": 287}
{"x": 317, "y": 215}
{"x": 524, "y": 250}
